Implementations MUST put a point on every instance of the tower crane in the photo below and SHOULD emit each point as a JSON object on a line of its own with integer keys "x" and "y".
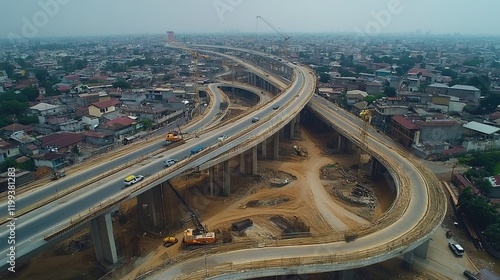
{"x": 366, "y": 117}
{"x": 286, "y": 38}
{"x": 194, "y": 55}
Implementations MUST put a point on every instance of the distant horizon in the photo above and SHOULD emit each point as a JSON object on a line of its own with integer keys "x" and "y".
{"x": 378, "y": 35}
{"x": 70, "y": 18}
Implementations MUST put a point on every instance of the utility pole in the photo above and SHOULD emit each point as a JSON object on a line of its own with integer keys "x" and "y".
{"x": 206, "y": 268}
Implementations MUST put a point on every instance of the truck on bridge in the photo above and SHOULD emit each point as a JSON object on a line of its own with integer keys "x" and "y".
{"x": 197, "y": 149}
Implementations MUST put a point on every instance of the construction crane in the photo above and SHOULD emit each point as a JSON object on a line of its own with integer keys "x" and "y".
{"x": 194, "y": 55}
{"x": 199, "y": 235}
{"x": 286, "y": 38}
{"x": 366, "y": 117}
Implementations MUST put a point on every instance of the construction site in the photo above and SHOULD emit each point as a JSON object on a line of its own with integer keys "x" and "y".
{"x": 310, "y": 194}
{"x": 277, "y": 205}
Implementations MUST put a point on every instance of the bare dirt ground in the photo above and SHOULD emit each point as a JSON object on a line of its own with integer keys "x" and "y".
{"x": 310, "y": 195}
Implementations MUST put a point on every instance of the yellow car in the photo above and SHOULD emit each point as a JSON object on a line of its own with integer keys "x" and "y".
{"x": 169, "y": 241}
{"x": 132, "y": 179}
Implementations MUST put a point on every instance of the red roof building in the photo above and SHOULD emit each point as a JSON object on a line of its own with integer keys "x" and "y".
{"x": 97, "y": 109}
{"x": 11, "y": 128}
{"x": 121, "y": 122}
{"x": 61, "y": 141}
{"x": 106, "y": 103}
{"x": 404, "y": 131}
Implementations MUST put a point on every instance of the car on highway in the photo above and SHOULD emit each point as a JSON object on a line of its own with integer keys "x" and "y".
{"x": 456, "y": 249}
{"x": 222, "y": 138}
{"x": 255, "y": 119}
{"x": 170, "y": 161}
{"x": 132, "y": 179}
{"x": 276, "y": 107}
{"x": 197, "y": 150}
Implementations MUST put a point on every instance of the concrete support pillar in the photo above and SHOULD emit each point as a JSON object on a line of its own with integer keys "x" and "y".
{"x": 297, "y": 120}
{"x": 292, "y": 128}
{"x": 276, "y": 145}
{"x": 345, "y": 275}
{"x": 211, "y": 178}
{"x": 264, "y": 148}
{"x": 226, "y": 178}
{"x": 242, "y": 162}
{"x": 339, "y": 144}
{"x": 376, "y": 169}
{"x": 104, "y": 241}
{"x": 408, "y": 258}
{"x": 254, "y": 160}
{"x": 421, "y": 251}
{"x": 148, "y": 198}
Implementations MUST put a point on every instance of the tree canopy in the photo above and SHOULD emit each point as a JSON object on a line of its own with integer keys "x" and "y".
{"x": 324, "y": 77}
{"x": 485, "y": 215}
{"x": 390, "y": 92}
{"x": 122, "y": 84}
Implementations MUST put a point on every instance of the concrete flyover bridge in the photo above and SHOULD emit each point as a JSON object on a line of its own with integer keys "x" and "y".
{"x": 92, "y": 204}
{"x": 405, "y": 229}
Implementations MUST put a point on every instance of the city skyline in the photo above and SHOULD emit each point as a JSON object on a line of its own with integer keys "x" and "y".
{"x": 57, "y": 18}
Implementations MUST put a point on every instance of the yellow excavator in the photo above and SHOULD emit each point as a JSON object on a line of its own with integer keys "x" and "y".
{"x": 174, "y": 136}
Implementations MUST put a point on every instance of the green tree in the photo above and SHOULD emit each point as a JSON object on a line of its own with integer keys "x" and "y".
{"x": 489, "y": 104}
{"x": 449, "y": 73}
{"x": 475, "y": 61}
{"x": 168, "y": 77}
{"x": 13, "y": 107}
{"x": 24, "y": 119}
{"x": 390, "y": 92}
{"x": 399, "y": 71}
{"x": 165, "y": 61}
{"x": 482, "y": 82}
{"x": 116, "y": 68}
{"x": 42, "y": 75}
{"x": 147, "y": 124}
{"x": 484, "y": 185}
{"x": 492, "y": 233}
{"x": 27, "y": 165}
{"x": 324, "y": 77}
{"x": 477, "y": 207}
{"x": 12, "y": 96}
{"x": 79, "y": 64}
{"x": 75, "y": 150}
{"x": 322, "y": 69}
{"x": 122, "y": 84}
{"x": 371, "y": 98}
{"x": 31, "y": 93}
{"x": 9, "y": 69}
{"x": 361, "y": 69}
{"x": 5, "y": 121}
{"x": 346, "y": 73}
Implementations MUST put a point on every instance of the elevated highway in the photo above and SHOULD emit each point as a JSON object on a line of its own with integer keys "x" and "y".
{"x": 418, "y": 210}
{"x": 406, "y": 227}
{"x": 58, "y": 219}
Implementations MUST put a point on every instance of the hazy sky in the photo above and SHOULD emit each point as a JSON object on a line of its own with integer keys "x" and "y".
{"x": 42, "y": 18}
